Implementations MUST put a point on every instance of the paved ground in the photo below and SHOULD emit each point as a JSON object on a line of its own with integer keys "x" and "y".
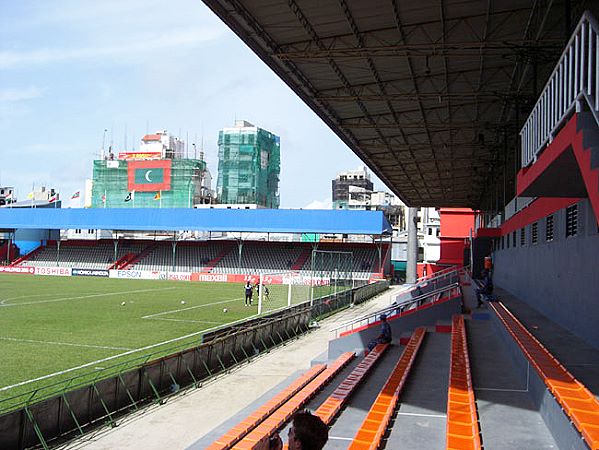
{"x": 508, "y": 418}
{"x": 186, "y": 418}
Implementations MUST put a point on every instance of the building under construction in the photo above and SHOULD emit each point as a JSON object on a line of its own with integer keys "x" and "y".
{"x": 248, "y": 166}
{"x": 156, "y": 176}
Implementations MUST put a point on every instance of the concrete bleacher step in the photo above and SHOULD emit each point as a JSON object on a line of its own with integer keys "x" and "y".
{"x": 345, "y": 426}
{"x": 507, "y": 414}
{"x": 568, "y": 407}
{"x": 421, "y": 417}
{"x": 577, "y": 355}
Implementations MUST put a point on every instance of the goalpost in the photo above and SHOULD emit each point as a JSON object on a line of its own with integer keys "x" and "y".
{"x": 329, "y": 273}
{"x": 332, "y": 272}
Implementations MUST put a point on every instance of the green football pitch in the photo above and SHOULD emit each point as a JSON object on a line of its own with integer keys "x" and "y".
{"x": 54, "y": 328}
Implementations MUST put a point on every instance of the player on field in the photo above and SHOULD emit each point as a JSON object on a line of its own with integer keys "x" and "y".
{"x": 249, "y": 290}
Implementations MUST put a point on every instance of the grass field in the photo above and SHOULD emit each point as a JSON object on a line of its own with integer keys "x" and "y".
{"x": 49, "y": 325}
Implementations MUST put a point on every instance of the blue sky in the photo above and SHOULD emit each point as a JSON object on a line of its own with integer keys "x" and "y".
{"x": 71, "y": 68}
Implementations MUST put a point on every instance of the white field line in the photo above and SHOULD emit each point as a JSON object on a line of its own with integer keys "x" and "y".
{"x": 34, "y": 341}
{"x": 107, "y": 294}
{"x": 23, "y": 296}
{"x": 185, "y": 320}
{"x": 109, "y": 358}
{"x": 150, "y": 316}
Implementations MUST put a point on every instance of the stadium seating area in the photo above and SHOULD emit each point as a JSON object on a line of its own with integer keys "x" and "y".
{"x": 188, "y": 258}
{"x": 79, "y": 254}
{"x": 482, "y": 379}
{"x": 274, "y": 257}
{"x": 211, "y": 256}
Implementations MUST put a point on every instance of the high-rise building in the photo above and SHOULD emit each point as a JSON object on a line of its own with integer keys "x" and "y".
{"x": 352, "y": 178}
{"x": 158, "y": 175}
{"x": 248, "y": 166}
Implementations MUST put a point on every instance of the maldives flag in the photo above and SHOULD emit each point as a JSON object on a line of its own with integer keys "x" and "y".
{"x": 147, "y": 176}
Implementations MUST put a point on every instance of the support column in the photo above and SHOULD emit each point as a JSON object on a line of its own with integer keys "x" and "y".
{"x": 174, "y": 244}
{"x": 239, "y": 249}
{"x": 411, "y": 272}
{"x": 260, "y": 283}
{"x": 8, "y": 249}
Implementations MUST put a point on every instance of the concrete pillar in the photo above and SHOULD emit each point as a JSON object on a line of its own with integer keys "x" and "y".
{"x": 411, "y": 273}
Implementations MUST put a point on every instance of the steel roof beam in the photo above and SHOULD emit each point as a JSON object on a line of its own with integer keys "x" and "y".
{"x": 309, "y": 29}
{"x": 432, "y": 49}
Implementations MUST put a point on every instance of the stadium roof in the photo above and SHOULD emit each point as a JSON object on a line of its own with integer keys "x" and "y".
{"x": 430, "y": 94}
{"x": 241, "y": 220}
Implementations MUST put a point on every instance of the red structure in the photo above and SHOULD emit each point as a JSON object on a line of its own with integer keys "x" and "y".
{"x": 456, "y": 224}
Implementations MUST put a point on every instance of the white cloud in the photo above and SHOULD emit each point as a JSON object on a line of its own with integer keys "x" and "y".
{"x": 317, "y": 204}
{"x": 135, "y": 45}
{"x": 16, "y": 95}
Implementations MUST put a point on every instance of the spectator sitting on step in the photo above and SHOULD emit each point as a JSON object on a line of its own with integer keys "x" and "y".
{"x": 385, "y": 336}
{"x": 485, "y": 289}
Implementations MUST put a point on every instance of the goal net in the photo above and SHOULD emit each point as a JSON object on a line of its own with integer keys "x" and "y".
{"x": 329, "y": 273}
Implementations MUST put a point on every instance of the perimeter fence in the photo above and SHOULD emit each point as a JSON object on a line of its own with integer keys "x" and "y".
{"x": 49, "y": 415}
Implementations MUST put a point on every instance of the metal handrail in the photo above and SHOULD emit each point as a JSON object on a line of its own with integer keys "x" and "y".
{"x": 396, "y": 308}
{"x": 433, "y": 279}
{"x": 575, "y": 77}
{"x": 440, "y": 274}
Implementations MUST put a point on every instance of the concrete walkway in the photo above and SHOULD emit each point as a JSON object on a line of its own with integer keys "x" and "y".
{"x": 185, "y": 418}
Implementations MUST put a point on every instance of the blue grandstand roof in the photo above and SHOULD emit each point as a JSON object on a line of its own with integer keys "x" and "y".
{"x": 246, "y": 220}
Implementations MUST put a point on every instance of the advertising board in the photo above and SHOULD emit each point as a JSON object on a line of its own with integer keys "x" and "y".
{"x": 137, "y": 274}
{"x": 89, "y": 272}
{"x": 179, "y": 276}
{"x": 212, "y": 277}
{"x": 53, "y": 271}
{"x": 23, "y": 269}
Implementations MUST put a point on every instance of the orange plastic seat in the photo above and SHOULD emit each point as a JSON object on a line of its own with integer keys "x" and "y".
{"x": 576, "y": 400}
{"x": 375, "y": 424}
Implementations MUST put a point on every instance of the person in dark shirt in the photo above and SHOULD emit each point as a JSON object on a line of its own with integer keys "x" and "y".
{"x": 265, "y": 291}
{"x": 485, "y": 289}
{"x": 385, "y": 337}
{"x": 249, "y": 290}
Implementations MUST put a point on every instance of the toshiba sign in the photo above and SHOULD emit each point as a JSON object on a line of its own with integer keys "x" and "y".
{"x": 54, "y": 271}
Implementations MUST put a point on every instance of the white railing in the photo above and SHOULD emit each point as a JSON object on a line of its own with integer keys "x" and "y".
{"x": 575, "y": 78}
{"x": 398, "y": 308}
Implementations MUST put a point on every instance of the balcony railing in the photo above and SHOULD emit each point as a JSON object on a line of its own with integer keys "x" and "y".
{"x": 575, "y": 78}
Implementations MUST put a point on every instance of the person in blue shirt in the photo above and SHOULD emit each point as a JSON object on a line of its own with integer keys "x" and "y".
{"x": 385, "y": 337}
{"x": 485, "y": 289}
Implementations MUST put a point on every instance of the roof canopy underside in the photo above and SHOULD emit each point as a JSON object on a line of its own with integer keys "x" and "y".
{"x": 430, "y": 94}
{"x": 218, "y": 220}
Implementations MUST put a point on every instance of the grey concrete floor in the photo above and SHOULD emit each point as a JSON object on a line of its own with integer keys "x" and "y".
{"x": 580, "y": 358}
{"x": 508, "y": 419}
{"x": 345, "y": 427}
{"x": 420, "y": 422}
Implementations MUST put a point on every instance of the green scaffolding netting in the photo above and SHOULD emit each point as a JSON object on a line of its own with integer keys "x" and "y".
{"x": 248, "y": 167}
{"x": 110, "y": 186}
